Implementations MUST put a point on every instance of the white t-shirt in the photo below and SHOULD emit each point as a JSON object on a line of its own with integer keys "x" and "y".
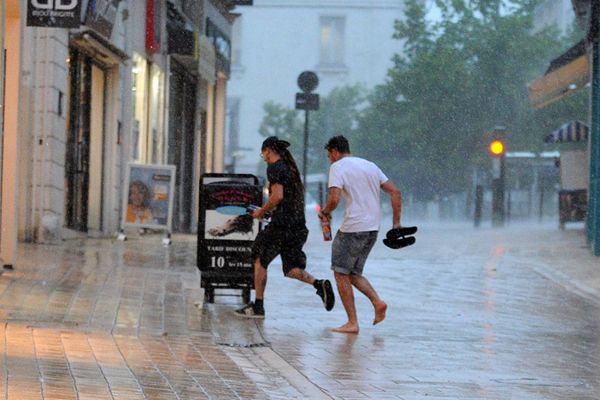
{"x": 360, "y": 181}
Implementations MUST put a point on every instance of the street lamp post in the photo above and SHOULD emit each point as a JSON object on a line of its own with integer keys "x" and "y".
{"x": 307, "y": 82}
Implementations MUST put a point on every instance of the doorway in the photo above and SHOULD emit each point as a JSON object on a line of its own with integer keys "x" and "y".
{"x": 182, "y": 121}
{"x": 85, "y": 144}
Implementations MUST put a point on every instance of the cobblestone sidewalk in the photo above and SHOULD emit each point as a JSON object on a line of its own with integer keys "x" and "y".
{"x": 102, "y": 319}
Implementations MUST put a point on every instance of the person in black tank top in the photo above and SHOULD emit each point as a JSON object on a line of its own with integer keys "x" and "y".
{"x": 286, "y": 233}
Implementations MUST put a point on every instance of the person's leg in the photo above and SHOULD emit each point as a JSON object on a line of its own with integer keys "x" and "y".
{"x": 294, "y": 265}
{"x": 293, "y": 257}
{"x": 264, "y": 250}
{"x": 346, "y": 293}
{"x": 256, "y": 309}
{"x": 341, "y": 262}
{"x": 260, "y": 279}
{"x": 364, "y": 286}
{"x": 363, "y": 244}
{"x": 301, "y": 275}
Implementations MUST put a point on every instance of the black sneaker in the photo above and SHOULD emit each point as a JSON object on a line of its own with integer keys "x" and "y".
{"x": 325, "y": 292}
{"x": 250, "y": 311}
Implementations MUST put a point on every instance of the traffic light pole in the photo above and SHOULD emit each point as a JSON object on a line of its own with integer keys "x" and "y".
{"x": 498, "y": 191}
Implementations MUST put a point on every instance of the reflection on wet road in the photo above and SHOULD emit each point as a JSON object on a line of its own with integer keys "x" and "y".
{"x": 471, "y": 315}
{"x": 467, "y": 319}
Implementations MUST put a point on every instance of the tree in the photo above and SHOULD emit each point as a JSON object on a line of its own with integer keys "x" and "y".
{"x": 338, "y": 114}
{"x": 458, "y": 78}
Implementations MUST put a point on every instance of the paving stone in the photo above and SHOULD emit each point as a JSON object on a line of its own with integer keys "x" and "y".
{"x": 488, "y": 314}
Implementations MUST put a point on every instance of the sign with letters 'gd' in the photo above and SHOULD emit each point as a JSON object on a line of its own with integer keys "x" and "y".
{"x": 54, "y": 13}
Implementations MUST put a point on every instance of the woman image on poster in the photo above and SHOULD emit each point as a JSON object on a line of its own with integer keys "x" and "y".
{"x": 138, "y": 204}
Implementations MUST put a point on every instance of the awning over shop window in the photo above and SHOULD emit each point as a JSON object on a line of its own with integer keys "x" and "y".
{"x": 98, "y": 48}
{"x": 573, "y": 131}
{"x": 565, "y": 75}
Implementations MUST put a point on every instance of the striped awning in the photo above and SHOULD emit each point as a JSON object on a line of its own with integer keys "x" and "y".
{"x": 573, "y": 131}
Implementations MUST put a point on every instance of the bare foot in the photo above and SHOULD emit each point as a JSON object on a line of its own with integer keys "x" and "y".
{"x": 347, "y": 328}
{"x": 380, "y": 309}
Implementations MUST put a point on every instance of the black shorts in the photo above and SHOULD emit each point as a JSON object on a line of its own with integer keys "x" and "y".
{"x": 287, "y": 242}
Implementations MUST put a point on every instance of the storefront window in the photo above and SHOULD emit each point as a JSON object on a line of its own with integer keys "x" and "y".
{"x": 157, "y": 130}
{"x": 148, "y": 136}
{"x": 140, "y": 108}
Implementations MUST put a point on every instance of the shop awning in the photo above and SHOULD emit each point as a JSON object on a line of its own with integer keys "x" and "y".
{"x": 573, "y": 131}
{"x": 97, "y": 47}
{"x": 566, "y": 74}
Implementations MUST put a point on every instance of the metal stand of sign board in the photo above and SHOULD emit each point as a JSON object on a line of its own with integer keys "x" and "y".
{"x": 121, "y": 235}
{"x": 226, "y": 233}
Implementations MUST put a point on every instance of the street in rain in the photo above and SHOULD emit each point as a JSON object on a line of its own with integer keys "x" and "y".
{"x": 300, "y": 199}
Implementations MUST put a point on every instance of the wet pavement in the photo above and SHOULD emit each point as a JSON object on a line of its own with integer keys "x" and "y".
{"x": 511, "y": 313}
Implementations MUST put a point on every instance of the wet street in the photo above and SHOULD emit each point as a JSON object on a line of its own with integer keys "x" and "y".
{"x": 488, "y": 314}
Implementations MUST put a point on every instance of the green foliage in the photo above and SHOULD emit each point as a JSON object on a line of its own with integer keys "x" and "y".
{"x": 338, "y": 114}
{"x": 429, "y": 123}
{"x": 456, "y": 80}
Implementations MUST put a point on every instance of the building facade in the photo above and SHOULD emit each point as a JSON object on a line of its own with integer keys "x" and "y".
{"x": 137, "y": 81}
{"x": 343, "y": 41}
{"x": 554, "y": 13}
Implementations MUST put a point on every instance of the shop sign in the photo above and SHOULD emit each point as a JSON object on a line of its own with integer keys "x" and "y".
{"x": 153, "y": 15}
{"x": 101, "y": 15}
{"x": 207, "y": 59}
{"x": 222, "y": 46}
{"x": 54, "y": 13}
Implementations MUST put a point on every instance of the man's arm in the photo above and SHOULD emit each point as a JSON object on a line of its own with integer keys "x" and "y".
{"x": 275, "y": 198}
{"x": 394, "y": 192}
{"x": 332, "y": 202}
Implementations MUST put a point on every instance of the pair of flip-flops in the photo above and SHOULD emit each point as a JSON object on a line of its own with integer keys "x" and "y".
{"x": 398, "y": 238}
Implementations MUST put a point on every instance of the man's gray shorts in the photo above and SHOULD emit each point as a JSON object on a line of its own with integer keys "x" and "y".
{"x": 350, "y": 251}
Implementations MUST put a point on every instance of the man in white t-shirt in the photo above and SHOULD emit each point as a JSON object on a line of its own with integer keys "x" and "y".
{"x": 359, "y": 181}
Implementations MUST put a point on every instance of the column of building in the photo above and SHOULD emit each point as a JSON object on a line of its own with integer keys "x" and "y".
{"x": 10, "y": 39}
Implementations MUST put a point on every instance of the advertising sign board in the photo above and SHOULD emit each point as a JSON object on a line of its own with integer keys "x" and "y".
{"x": 148, "y": 202}
{"x": 226, "y": 232}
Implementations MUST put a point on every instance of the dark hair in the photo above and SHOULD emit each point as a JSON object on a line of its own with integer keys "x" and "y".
{"x": 339, "y": 143}
{"x": 142, "y": 187}
{"x": 276, "y": 144}
{"x": 280, "y": 147}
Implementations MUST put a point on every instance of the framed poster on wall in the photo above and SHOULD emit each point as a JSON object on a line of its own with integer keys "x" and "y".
{"x": 148, "y": 200}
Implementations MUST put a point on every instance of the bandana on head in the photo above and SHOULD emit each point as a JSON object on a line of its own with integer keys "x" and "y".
{"x": 276, "y": 144}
